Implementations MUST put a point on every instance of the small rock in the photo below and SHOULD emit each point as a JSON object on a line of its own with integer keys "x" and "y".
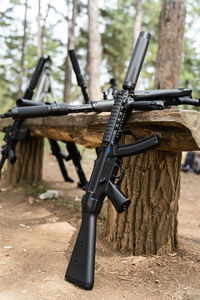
{"x": 77, "y": 198}
{"x": 49, "y": 195}
{"x": 31, "y": 200}
{"x": 3, "y": 190}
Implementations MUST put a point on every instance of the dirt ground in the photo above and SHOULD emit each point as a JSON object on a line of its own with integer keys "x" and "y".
{"x": 37, "y": 238}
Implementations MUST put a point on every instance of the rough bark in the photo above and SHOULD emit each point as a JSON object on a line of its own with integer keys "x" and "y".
{"x": 28, "y": 166}
{"x": 150, "y": 225}
{"x": 152, "y": 179}
{"x": 170, "y": 41}
{"x": 70, "y": 45}
{"x": 94, "y": 50}
{"x": 179, "y": 130}
{"x": 21, "y": 72}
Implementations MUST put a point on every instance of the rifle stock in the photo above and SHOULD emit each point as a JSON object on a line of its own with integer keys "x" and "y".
{"x": 81, "y": 267}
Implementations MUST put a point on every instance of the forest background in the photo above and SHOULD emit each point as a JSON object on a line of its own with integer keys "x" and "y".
{"x": 116, "y": 22}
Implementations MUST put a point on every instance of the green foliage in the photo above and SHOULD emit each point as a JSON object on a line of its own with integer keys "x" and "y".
{"x": 151, "y": 13}
{"x": 190, "y": 71}
{"x": 117, "y": 38}
{"x": 116, "y": 25}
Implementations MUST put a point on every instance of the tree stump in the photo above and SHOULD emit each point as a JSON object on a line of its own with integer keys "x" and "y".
{"x": 28, "y": 165}
{"x": 149, "y": 226}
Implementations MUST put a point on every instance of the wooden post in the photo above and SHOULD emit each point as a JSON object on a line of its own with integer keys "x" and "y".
{"x": 28, "y": 166}
{"x": 149, "y": 226}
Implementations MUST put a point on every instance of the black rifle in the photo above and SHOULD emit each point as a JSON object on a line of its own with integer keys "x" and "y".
{"x": 73, "y": 151}
{"x": 101, "y": 184}
{"x": 79, "y": 77}
{"x": 108, "y": 162}
{"x": 113, "y": 88}
{"x": 56, "y": 151}
{"x": 169, "y": 97}
{"x": 139, "y": 100}
{"x": 25, "y": 108}
{"x": 60, "y": 156}
{"x": 102, "y": 181}
{"x": 113, "y": 84}
{"x": 14, "y": 133}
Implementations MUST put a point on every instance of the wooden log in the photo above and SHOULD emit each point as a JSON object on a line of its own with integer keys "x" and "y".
{"x": 179, "y": 130}
{"x": 29, "y": 162}
{"x": 149, "y": 226}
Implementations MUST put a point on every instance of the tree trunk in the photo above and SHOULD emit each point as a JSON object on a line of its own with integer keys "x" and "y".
{"x": 70, "y": 45}
{"x": 152, "y": 179}
{"x": 29, "y": 153}
{"x": 21, "y": 72}
{"x": 40, "y": 43}
{"x": 138, "y": 21}
{"x": 94, "y": 50}
{"x": 28, "y": 166}
{"x": 149, "y": 226}
{"x": 170, "y": 41}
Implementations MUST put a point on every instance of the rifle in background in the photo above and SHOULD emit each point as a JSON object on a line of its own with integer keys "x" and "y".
{"x": 14, "y": 133}
{"x": 44, "y": 89}
{"x": 79, "y": 77}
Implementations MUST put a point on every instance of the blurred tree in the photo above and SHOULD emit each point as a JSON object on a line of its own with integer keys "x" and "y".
{"x": 117, "y": 38}
{"x": 10, "y": 56}
{"x": 190, "y": 69}
{"x": 138, "y": 21}
{"x": 70, "y": 45}
{"x": 94, "y": 50}
{"x": 116, "y": 25}
{"x": 40, "y": 35}
{"x": 23, "y": 48}
{"x": 170, "y": 41}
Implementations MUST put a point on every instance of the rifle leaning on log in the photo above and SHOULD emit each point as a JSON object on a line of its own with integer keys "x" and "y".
{"x": 139, "y": 100}
{"x": 73, "y": 152}
{"x": 102, "y": 182}
{"x": 14, "y": 133}
{"x": 79, "y": 77}
{"x": 81, "y": 266}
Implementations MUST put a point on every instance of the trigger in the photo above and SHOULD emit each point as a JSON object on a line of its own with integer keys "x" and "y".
{"x": 120, "y": 177}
